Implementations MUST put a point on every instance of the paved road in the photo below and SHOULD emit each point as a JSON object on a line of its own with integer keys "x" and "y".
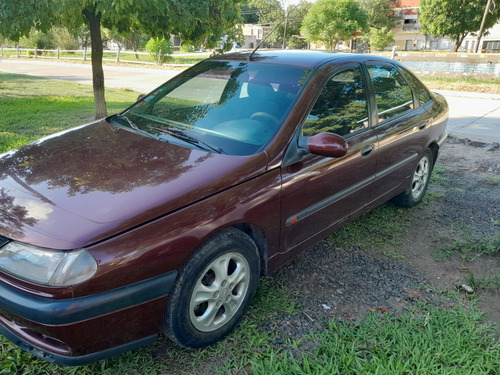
{"x": 472, "y": 115}
{"x": 138, "y": 79}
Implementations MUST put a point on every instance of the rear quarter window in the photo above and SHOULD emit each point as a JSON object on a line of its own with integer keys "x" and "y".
{"x": 419, "y": 89}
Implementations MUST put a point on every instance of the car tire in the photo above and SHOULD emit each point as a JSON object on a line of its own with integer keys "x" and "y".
{"x": 419, "y": 182}
{"x": 213, "y": 290}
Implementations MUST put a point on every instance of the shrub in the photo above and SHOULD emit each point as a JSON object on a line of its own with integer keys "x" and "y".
{"x": 160, "y": 47}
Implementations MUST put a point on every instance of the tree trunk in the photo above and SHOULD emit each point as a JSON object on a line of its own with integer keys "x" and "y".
{"x": 458, "y": 41}
{"x": 97, "y": 51}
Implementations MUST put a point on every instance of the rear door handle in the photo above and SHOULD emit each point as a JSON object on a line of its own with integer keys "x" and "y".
{"x": 424, "y": 124}
{"x": 366, "y": 150}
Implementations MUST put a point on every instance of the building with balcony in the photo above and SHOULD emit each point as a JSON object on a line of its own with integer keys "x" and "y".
{"x": 408, "y": 36}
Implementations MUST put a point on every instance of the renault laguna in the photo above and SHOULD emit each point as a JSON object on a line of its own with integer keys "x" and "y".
{"x": 162, "y": 218}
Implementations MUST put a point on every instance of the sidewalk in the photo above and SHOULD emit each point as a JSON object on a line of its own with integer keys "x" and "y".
{"x": 475, "y": 116}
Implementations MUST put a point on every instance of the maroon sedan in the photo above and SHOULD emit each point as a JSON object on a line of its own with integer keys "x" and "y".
{"x": 163, "y": 217}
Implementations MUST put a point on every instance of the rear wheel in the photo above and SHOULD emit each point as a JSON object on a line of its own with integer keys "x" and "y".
{"x": 213, "y": 290}
{"x": 419, "y": 182}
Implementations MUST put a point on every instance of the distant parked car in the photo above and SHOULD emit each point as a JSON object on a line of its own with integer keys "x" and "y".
{"x": 163, "y": 217}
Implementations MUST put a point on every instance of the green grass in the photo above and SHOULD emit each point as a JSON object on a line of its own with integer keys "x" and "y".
{"x": 273, "y": 297}
{"x": 35, "y": 107}
{"x": 368, "y": 232}
{"x": 438, "y": 175}
{"x": 425, "y": 340}
{"x": 462, "y": 83}
{"x": 487, "y": 283}
{"x": 470, "y": 246}
{"x": 495, "y": 181}
{"x": 467, "y": 244}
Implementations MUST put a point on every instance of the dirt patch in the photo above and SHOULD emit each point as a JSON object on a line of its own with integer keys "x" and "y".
{"x": 468, "y": 211}
{"x": 348, "y": 282}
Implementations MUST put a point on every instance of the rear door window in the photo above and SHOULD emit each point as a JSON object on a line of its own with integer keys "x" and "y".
{"x": 393, "y": 95}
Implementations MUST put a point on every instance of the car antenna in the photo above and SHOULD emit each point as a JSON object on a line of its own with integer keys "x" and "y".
{"x": 273, "y": 30}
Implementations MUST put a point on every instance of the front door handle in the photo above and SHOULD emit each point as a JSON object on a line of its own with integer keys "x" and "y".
{"x": 367, "y": 150}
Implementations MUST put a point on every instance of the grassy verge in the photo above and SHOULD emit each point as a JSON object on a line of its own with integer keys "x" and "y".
{"x": 35, "y": 107}
{"x": 110, "y": 57}
{"x": 459, "y": 83}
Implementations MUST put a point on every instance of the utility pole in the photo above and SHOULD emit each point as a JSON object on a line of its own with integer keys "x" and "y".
{"x": 482, "y": 26}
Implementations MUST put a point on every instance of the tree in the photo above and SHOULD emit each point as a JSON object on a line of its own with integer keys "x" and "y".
{"x": 128, "y": 36}
{"x": 54, "y": 38}
{"x": 267, "y": 11}
{"x": 211, "y": 23}
{"x": 249, "y": 12}
{"x": 381, "y": 23}
{"x": 285, "y": 24}
{"x": 193, "y": 20}
{"x": 290, "y": 28}
{"x": 37, "y": 39}
{"x": 454, "y": 18}
{"x": 329, "y": 21}
{"x": 62, "y": 38}
{"x": 380, "y": 14}
{"x": 272, "y": 14}
{"x": 380, "y": 38}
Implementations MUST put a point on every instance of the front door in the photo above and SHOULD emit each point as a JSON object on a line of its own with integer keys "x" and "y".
{"x": 319, "y": 193}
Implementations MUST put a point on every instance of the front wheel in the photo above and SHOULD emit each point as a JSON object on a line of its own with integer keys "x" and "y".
{"x": 213, "y": 290}
{"x": 419, "y": 182}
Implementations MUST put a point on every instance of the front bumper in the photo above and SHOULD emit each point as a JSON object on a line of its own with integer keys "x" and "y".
{"x": 81, "y": 330}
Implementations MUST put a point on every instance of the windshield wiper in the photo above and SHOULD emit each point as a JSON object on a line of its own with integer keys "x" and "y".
{"x": 133, "y": 126}
{"x": 187, "y": 138}
{"x": 128, "y": 121}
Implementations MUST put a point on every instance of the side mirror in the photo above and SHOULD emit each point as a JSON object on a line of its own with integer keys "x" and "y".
{"x": 325, "y": 144}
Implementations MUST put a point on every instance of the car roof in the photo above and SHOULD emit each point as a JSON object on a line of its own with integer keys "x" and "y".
{"x": 300, "y": 58}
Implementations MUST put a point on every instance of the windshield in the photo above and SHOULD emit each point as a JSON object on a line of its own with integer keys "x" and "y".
{"x": 227, "y": 107}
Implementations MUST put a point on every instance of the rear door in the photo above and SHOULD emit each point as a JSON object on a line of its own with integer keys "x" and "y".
{"x": 402, "y": 127}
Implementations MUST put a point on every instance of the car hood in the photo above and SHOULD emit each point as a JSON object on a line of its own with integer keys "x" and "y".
{"x": 87, "y": 184}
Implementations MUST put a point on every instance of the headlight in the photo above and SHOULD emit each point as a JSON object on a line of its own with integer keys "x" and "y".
{"x": 45, "y": 266}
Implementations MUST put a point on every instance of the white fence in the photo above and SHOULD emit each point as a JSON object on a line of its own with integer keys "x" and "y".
{"x": 82, "y": 54}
